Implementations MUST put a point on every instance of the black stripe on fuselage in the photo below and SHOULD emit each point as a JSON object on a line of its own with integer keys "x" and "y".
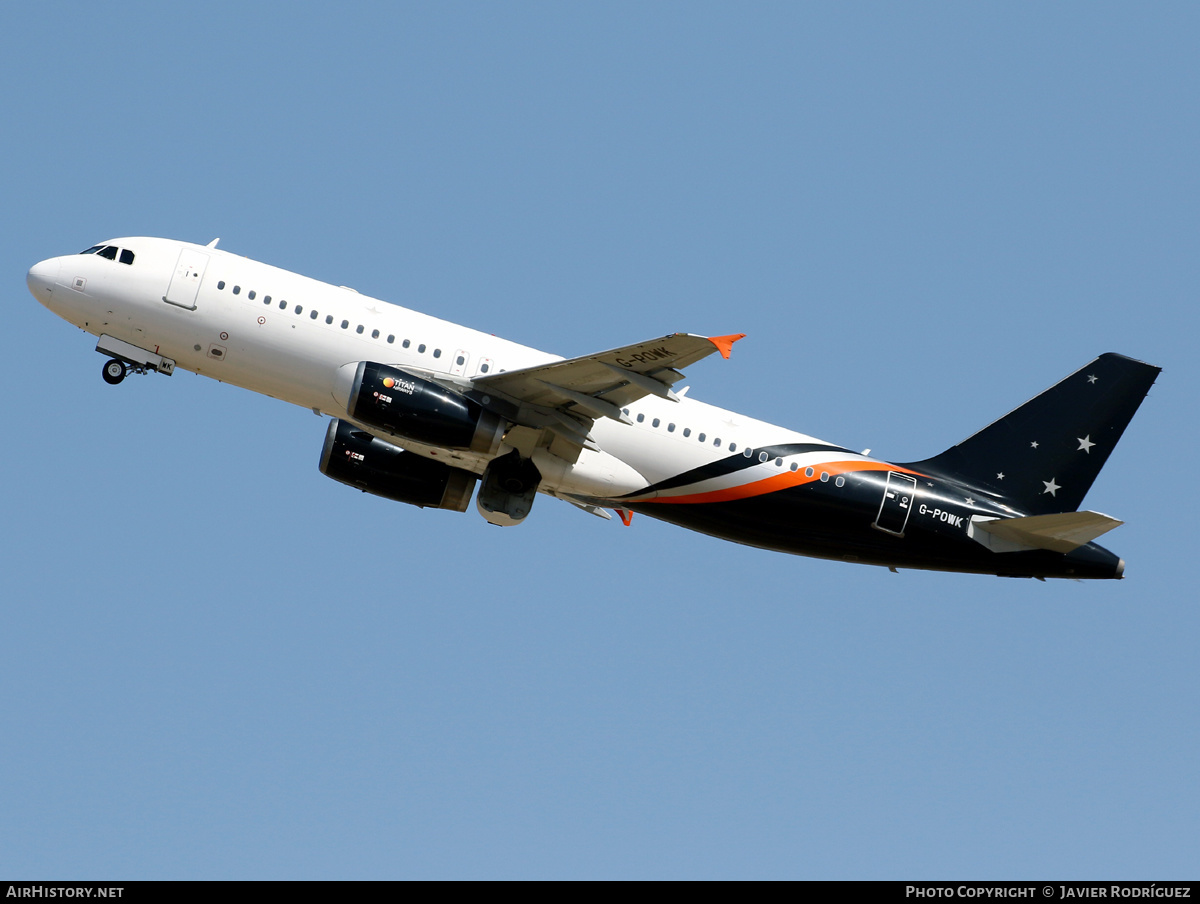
{"x": 735, "y": 462}
{"x": 812, "y": 520}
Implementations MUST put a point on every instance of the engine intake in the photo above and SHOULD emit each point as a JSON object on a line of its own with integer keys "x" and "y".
{"x": 359, "y": 460}
{"x": 405, "y": 405}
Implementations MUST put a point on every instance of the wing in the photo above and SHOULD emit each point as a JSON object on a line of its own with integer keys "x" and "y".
{"x": 567, "y": 396}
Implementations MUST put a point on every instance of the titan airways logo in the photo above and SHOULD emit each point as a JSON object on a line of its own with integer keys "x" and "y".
{"x": 651, "y": 354}
{"x": 399, "y": 385}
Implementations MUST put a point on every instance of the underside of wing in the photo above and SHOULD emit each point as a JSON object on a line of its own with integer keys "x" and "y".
{"x": 567, "y": 396}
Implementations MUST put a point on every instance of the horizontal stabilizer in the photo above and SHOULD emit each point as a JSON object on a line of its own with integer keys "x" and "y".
{"x": 1060, "y": 532}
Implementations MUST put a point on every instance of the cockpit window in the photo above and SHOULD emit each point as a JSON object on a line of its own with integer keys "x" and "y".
{"x": 110, "y": 252}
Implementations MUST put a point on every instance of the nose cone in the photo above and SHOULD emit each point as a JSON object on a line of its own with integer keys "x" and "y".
{"x": 42, "y": 277}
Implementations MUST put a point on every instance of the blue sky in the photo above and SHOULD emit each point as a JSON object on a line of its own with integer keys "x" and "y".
{"x": 219, "y": 664}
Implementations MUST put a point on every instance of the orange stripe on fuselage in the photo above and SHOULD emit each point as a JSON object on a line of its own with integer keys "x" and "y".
{"x": 780, "y": 482}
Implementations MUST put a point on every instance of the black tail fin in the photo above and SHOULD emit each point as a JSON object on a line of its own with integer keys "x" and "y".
{"x": 1044, "y": 455}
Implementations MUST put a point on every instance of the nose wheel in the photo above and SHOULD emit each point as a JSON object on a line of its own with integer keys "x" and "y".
{"x": 125, "y": 359}
{"x": 114, "y": 371}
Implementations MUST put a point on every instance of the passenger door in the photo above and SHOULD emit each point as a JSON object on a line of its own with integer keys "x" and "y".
{"x": 897, "y": 503}
{"x": 185, "y": 281}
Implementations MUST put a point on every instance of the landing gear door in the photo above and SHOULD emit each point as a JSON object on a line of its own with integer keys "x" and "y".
{"x": 185, "y": 281}
{"x": 897, "y": 503}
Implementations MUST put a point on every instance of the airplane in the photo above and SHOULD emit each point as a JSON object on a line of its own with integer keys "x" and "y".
{"x": 423, "y": 410}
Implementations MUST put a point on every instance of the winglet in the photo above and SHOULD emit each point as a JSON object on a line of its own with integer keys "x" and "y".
{"x": 724, "y": 344}
{"x": 626, "y": 515}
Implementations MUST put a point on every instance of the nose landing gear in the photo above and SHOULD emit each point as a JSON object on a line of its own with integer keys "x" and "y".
{"x": 114, "y": 372}
{"x": 128, "y": 358}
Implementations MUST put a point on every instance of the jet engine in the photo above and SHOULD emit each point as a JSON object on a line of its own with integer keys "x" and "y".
{"x": 405, "y": 405}
{"x": 359, "y": 460}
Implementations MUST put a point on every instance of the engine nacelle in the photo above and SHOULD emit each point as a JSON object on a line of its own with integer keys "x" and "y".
{"x": 359, "y": 460}
{"x": 405, "y": 405}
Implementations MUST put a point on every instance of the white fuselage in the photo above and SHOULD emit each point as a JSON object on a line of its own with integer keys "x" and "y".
{"x": 285, "y": 335}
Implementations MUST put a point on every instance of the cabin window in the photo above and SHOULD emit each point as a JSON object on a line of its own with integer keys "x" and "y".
{"x": 374, "y": 334}
{"x": 687, "y": 431}
{"x": 237, "y": 290}
{"x": 808, "y": 472}
{"x": 266, "y": 299}
{"x": 749, "y": 453}
{"x": 329, "y": 318}
{"x": 126, "y": 256}
{"x": 460, "y": 361}
{"x": 483, "y": 368}
{"x": 437, "y": 352}
{"x": 717, "y": 442}
{"x": 824, "y": 477}
{"x": 779, "y": 462}
{"x": 405, "y": 344}
{"x": 763, "y": 456}
{"x": 421, "y": 348}
{"x": 299, "y": 309}
{"x": 655, "y": 422}
{"x": 345, "y": 324}
{"x": 391, "y": 339}
{"x": 312, "y": 314}
{"x": 220, "y": 285}
{"x": 359, "y": 329}
{"x": 701, "y": 438}
{"x": 641, "y": 417}
{"x": 251, "y": 295}
{"x": 841, "y": 481}
{"x": 283, "y": 305}
{"x": 795, "y": 467}
{"x": 733, "y": 447}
